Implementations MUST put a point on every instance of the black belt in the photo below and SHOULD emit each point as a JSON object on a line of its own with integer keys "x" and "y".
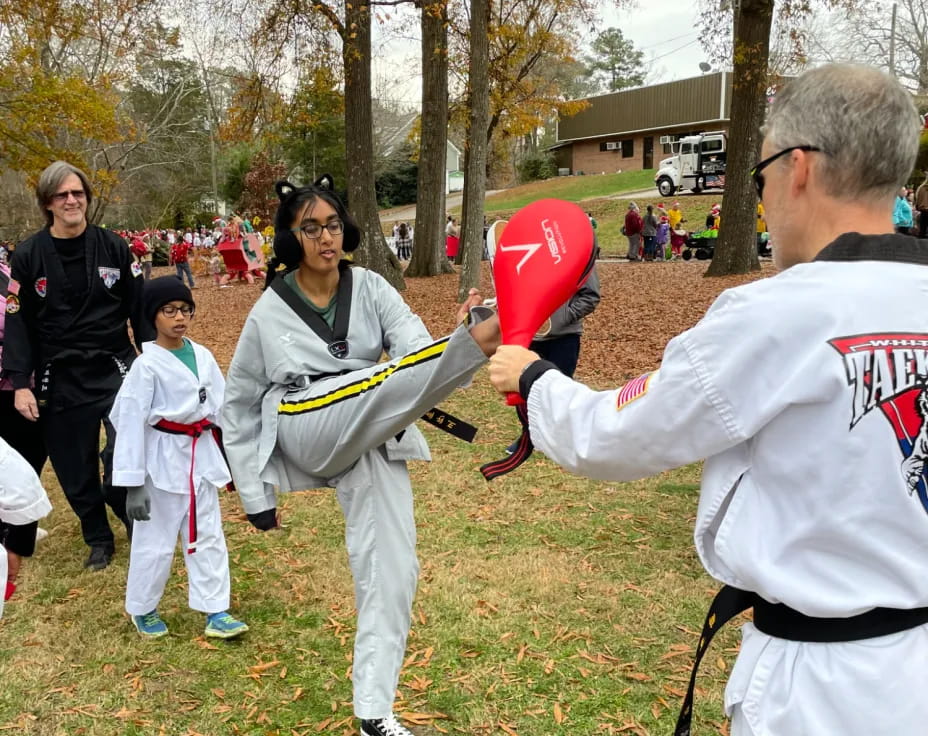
{"x": 783, "y": 622}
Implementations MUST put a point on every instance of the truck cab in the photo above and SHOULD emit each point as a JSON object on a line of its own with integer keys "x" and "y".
{"x": 697, "y": 163}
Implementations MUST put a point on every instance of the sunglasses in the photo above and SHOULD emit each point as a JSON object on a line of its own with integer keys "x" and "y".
{"x": 61, "y": 197}
{"x": 758, "y": 177}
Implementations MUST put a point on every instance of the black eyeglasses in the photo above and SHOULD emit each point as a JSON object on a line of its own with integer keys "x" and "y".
{"x": 758, "y": 177}
{"x": 170, "y": 310}
{"x": 314, "y": 229}
{"x": 61, "y": 197}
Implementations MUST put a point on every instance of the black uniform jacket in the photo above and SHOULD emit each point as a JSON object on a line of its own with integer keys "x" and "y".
{"x": 77, "y": 345}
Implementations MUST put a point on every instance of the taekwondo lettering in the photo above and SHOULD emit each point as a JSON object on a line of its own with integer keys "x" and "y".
{"x": 889, "y": 371}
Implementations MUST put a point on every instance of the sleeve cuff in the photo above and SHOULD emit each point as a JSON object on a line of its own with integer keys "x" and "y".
{"x": 20, "y": 380}
{"x": 257, "y": 498}
{"x": 531, "y": 373}
{"x": 129, "y": 478}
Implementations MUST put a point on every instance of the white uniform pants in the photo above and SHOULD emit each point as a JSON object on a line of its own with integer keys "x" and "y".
{"x": 859, "y": 688}
{"x": 152, "y": 552}
{"x": 380, "y": 534}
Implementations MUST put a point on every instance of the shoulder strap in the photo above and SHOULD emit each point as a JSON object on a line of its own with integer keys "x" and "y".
{"x": 312, "y": 318}
{"x": 343, "y": 305}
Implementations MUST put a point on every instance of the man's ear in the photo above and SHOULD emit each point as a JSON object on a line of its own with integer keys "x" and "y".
{"x": 325, "y": 182}
{"x": 283, "y": 188}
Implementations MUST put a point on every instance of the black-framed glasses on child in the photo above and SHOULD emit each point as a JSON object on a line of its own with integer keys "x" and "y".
{"x": 314, "y": 229}
{"x": 171, "y": 310}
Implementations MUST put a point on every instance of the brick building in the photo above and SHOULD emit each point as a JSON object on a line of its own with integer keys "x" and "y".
{"x": 631, "y": 130}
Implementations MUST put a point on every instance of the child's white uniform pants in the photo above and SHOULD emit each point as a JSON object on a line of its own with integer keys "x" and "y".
{"x": 153, "y": 544}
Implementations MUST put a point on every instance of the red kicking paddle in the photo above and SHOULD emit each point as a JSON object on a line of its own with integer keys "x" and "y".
{"x": 543, "y": 256}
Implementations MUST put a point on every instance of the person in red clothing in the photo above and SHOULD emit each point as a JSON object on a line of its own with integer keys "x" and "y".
{"x": 180, "y": 257}
{"x": 678, "y": 239}
{"x": 632, "y": 231}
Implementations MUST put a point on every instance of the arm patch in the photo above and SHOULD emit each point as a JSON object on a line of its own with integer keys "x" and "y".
{"x": 634, "y": 389}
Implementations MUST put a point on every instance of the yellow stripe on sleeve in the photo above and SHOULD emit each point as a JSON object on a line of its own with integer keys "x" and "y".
{"x": 352, "y": 390}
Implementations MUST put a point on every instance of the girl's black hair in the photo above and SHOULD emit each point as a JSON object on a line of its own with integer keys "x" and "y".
{"x": 288, "y": 251}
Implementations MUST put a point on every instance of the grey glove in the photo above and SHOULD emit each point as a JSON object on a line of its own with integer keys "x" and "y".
{"x": 138, "y": 503}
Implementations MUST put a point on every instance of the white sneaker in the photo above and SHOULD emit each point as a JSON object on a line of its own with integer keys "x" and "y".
{"x": 40, "y": 534}
{"x": 388, "y": 726}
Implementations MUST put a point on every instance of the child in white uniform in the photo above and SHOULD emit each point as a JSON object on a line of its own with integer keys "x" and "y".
{"x": 22, "y": 503}
{"x": 168, "y": 457}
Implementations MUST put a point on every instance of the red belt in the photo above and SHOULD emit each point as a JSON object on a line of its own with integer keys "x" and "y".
{"x": 195, "y": 431}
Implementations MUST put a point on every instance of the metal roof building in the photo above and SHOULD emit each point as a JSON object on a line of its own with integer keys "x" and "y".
{"x": 632, "y": 129}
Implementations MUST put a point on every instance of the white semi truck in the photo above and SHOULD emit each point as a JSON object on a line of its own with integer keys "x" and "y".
{"x": 697, "y": 163}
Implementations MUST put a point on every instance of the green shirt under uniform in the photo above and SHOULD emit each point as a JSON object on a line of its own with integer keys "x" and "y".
{"x": 327, "y": 313}
{"x": 187, "y": 356}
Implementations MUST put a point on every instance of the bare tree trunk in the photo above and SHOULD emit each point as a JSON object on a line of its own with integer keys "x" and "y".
{"x": 736, "y": 249}
{"x": 428, "y": 255}
{"x": 475, "y": 155}
{"x": 359, "y": 145}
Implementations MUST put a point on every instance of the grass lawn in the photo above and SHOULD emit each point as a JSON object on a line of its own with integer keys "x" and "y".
{"x": 572, "y": 188}
{"x": 547, "y": 603}
{"x": 609, "y": 213}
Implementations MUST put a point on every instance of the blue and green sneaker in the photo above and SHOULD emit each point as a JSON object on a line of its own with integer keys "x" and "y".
{"x": 150, "y": 625}
{"x": 223, "y": 626}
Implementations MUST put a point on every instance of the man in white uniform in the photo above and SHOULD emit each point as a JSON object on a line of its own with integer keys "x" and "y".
{"x": 803, "y": 392}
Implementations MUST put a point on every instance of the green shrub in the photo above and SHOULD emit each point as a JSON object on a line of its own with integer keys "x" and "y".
{"x": 536, "y": 166}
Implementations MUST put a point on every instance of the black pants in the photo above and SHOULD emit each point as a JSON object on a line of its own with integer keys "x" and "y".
{"x": 563, "y": 351}
{"x": 22, "y": 435}
{"x": 73, "y": 440}
{"x": 923, "y": 223}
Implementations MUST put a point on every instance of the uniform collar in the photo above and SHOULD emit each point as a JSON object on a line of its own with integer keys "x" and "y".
{"x": 888, "y": 247}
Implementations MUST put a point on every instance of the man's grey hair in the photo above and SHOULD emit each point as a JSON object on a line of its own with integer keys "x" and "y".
{"x": 632, "y": 206}
{"x": 49, "y": 181}
{"x": 863, "y": 120}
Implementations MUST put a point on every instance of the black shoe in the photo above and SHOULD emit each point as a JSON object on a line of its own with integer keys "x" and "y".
{"x": 512, "y": 448}
{"x": 388, "y": 726}
{"x": 99, "y": 558}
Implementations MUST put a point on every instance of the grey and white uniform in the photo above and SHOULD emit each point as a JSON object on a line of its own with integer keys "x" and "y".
{"x": 292, "y": 421}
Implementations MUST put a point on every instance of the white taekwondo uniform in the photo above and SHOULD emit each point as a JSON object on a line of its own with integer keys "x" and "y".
{"x": 806, "y": 394}
{"x": 22, "y": 498}
{"x": 291, "y": 421}
{"x": 160, "y": 386}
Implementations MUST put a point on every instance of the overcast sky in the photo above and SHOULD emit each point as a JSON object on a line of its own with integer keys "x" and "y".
{"x": 666, "y": 31}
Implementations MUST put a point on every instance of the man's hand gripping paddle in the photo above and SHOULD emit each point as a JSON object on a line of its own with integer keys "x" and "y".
{"x": 544, "y": 254}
